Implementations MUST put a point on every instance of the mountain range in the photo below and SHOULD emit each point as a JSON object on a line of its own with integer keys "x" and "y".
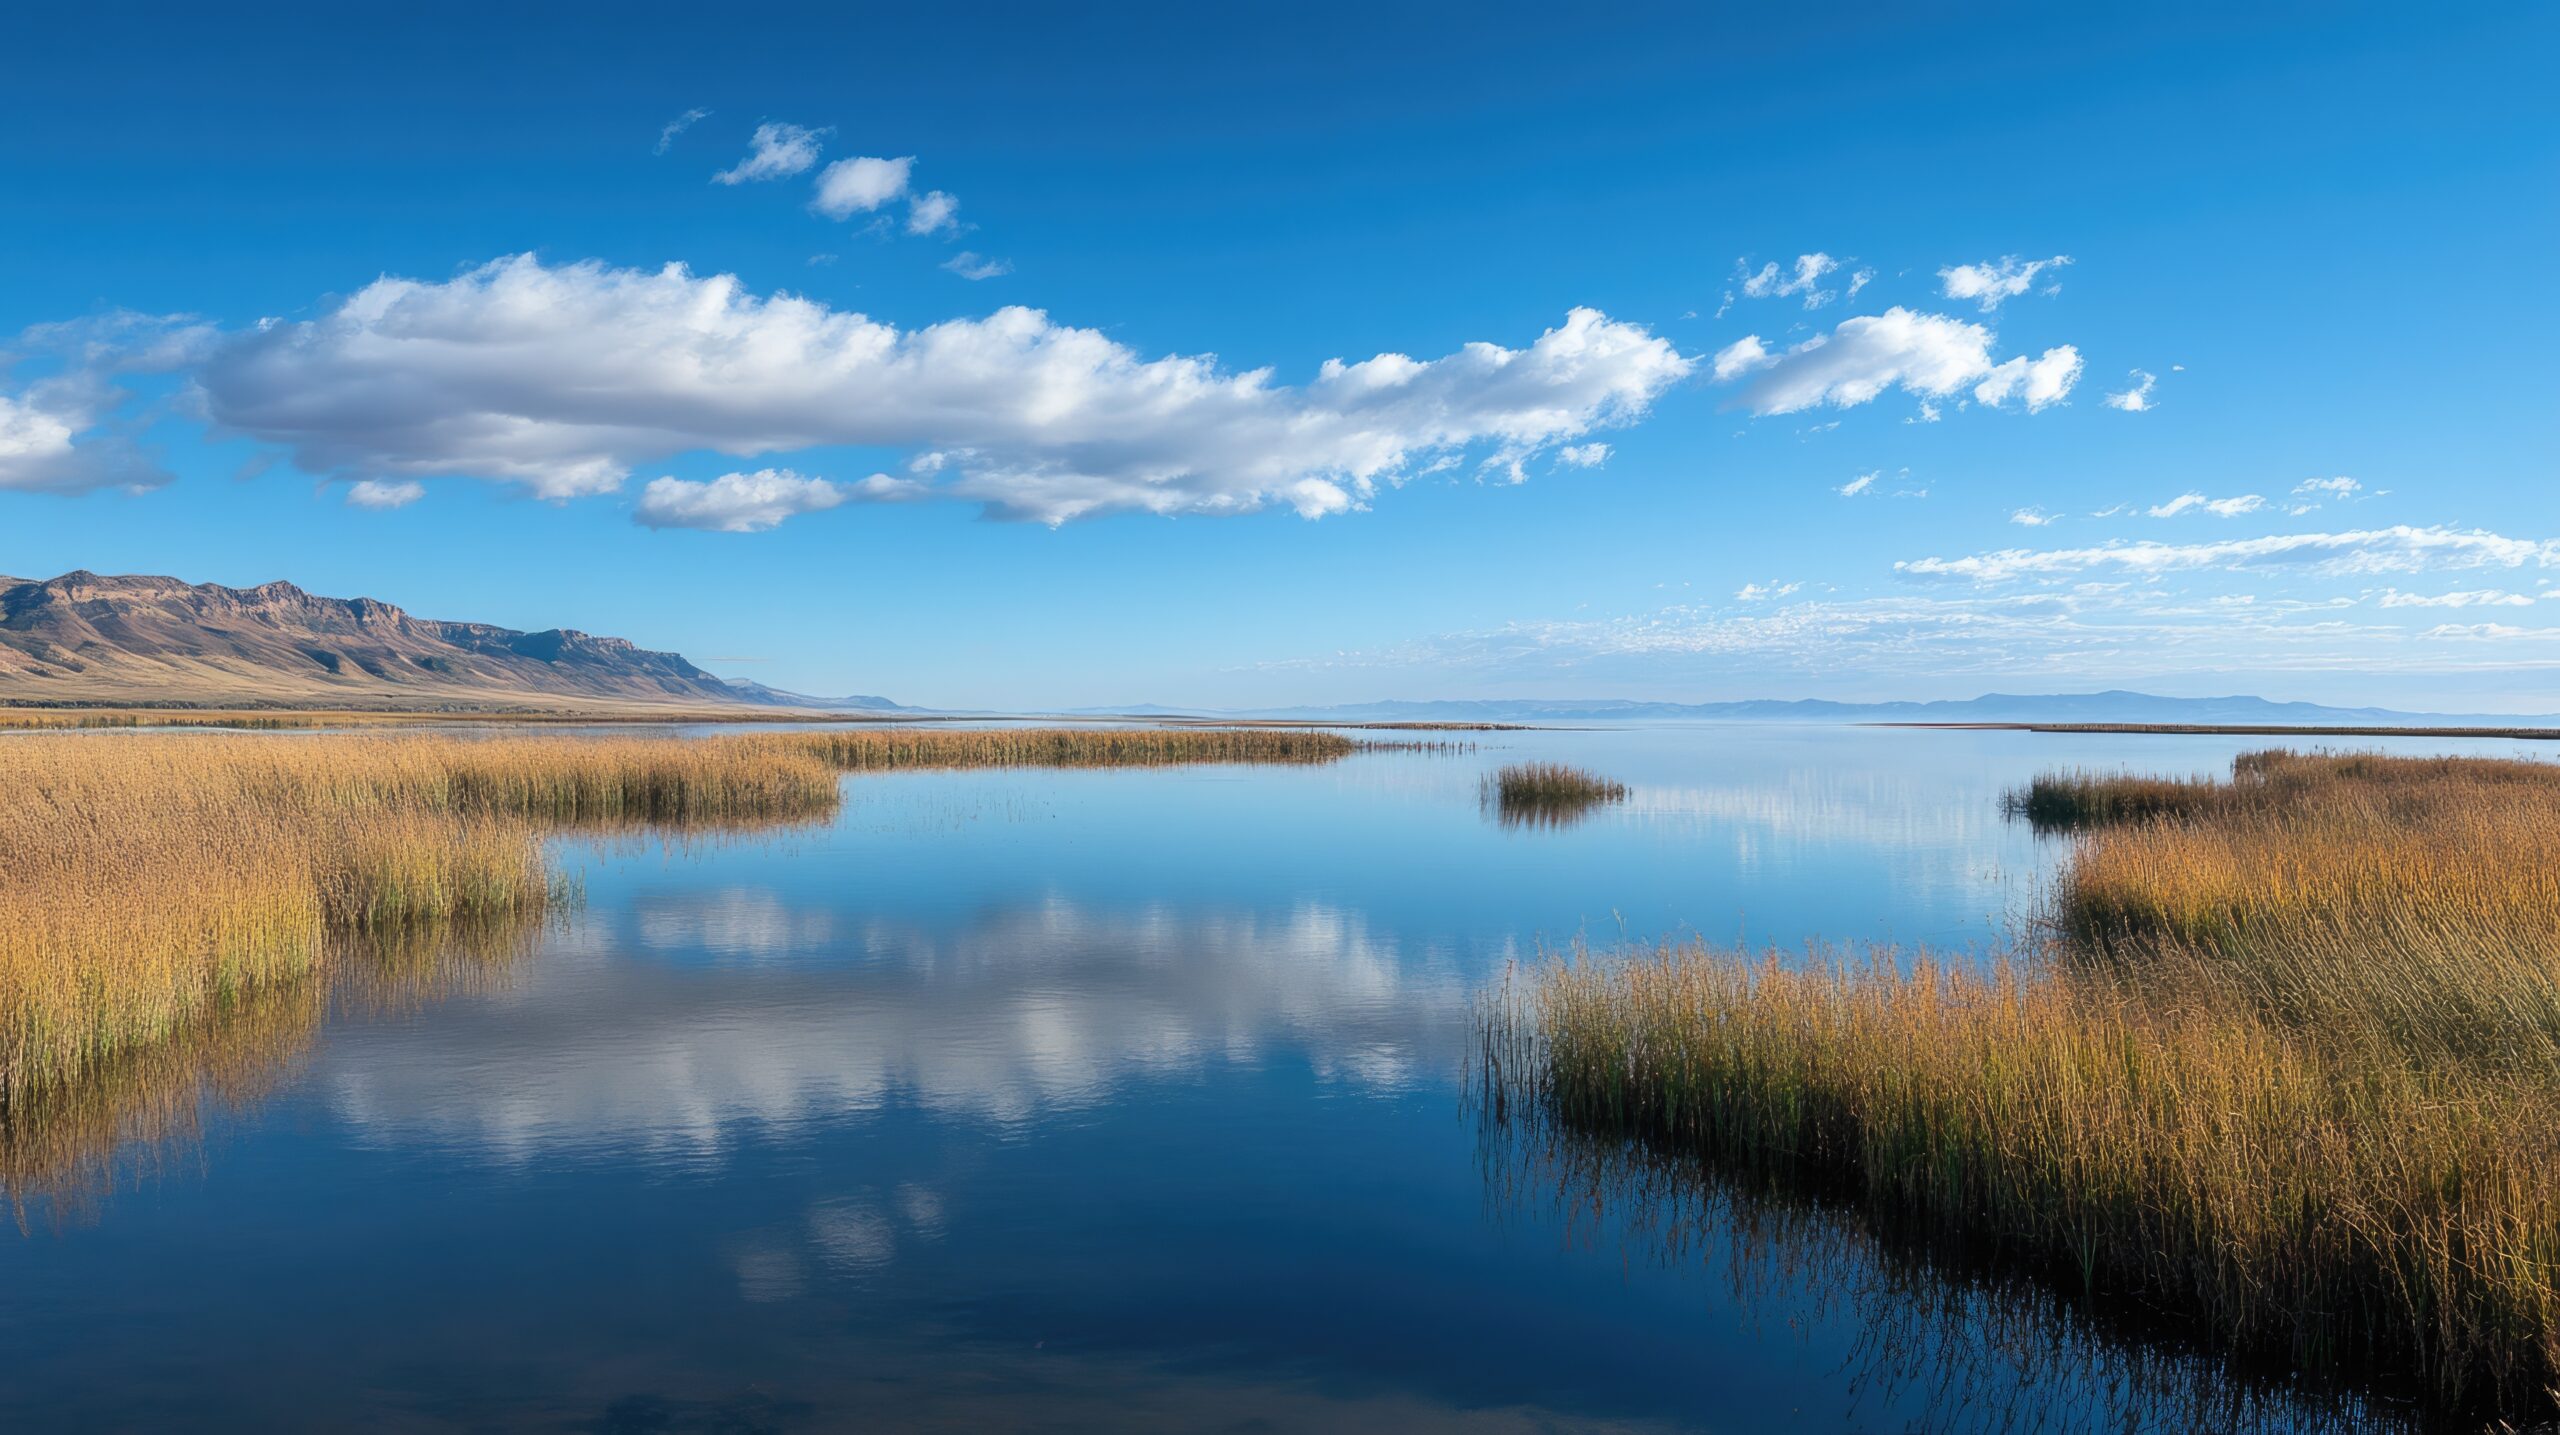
{"x": 2116, "y": 706}
{"x": 84, "y": 638}
{"x": 87, "y": 639}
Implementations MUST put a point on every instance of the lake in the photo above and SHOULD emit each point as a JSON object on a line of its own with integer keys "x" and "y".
{"x": 1065, "y": 1099}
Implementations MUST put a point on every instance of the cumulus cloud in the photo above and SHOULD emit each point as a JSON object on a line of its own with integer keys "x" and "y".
{"x": 1929, "y": 355}
{"x": 2398, "y": 549}
{"x": 737, "y": 502}
{"x": 564, "y": 377}
{"x": 858, "y": 186}
{"x": 777, "y": 151}
{"x": 1998, "y": 281}
{"x": 679, "y": 125}
{"x": 1806, "y": 279}
{"x": 932, "y": 211}
{"x": 379, "y": 494}
{"x": 1583, "y": 455}
{"x": 2219, "y": 507}
{"x": 971, "y": 265}
{"x": 2136, "y": 399}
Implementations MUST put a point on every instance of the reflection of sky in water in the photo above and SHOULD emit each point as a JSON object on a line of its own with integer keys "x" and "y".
{"x": 1104, "y": 1099}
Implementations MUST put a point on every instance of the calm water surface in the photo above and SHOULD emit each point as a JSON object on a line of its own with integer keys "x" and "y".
{"x": 1058, "y": 1100}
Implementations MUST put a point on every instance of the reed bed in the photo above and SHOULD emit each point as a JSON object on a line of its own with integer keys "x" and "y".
{"x": 1548, "y": 794}
{"x": 2285, "y": 1065}
{"x": 149, "y": 880}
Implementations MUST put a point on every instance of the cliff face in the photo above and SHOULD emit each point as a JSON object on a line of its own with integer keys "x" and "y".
{"x": 84, "y": 637}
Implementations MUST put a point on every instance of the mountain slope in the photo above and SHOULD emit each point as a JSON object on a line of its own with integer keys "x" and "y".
{"x": 84, "y": 638}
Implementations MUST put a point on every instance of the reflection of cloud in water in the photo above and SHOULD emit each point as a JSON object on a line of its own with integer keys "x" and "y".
{"x": 735, "y": 921}
{"x": 1029, "y": 1011}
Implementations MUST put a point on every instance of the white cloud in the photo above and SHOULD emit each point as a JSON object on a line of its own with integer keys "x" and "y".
{"x": 971, "y": 265}
{"x": 736, "y": 502}
{"x": 2332, "y": 487}
{"x": 2034, "y": 517}
{"x": 778, "y": 151}
{"x": 378, "y": 494}
{"x": 1805, "y": 280}
{"x": 2472, "y": 598}
{"x": 61, "y": 432}
{"x": 2487, "y": 631}
{"x": 46, "y": 445}
{"x": 1929, "y": 355}
{"x": 858, "y": 186}
{"x": 2000, "y": 280}
{"x": 2398, "y": 549}
{"x": 1860, "y": 484}
{"x": 1583, "y": 455}
{"x": 2137, "y": 399}
{"x": 2219, "y": 507}
{"x": 562, "y": 378}
{"x": 2043, "y": 381}
{"x": 1740, "y": 357}
{"x": 931, "y": 211}
{"x": 1759, "y": 592}
{"x": 678, "y": 126}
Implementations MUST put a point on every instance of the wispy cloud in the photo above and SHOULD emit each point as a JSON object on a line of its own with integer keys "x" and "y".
{"x": 679, "y": 125}
{"x": 777, "y": 151}
{"x": 1804, "y": 279}
{"x": 1994, "y": 283}
{"x": 971, "y": 265}
{"x": 380, "y": 494}
{"x": 2398, "y": 549}
{"x": 1860, "y": 484}
{"x": 2235, "y": 507}
{"x": 2461, "y": 598}
{"x": 2136, "y": 399}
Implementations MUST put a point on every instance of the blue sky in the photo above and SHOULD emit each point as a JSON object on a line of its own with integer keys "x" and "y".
{"x": 383, "y": 305}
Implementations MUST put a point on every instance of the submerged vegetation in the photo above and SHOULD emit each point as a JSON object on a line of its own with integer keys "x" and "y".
{"x": 2287, "y": 1069}
{"x": 1548, "y": 794}
{"x": 153, "y": 880}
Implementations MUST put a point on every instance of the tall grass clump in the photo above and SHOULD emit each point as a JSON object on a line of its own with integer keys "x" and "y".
{"x": 2285, "y": 1066}
{"x": 1548, "y": 793}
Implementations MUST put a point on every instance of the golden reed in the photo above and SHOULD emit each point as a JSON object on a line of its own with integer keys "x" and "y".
{"x": 148, "y": 879}
{"x": 2287, "y": 1067}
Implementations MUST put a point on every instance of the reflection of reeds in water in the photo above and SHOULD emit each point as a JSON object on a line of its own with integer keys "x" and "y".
{"x": 1548, "y": 794}
{"x": 2289, "y": 1072}
{"x": 1940, "y": 1339}
{"x": 66, "y": 1145}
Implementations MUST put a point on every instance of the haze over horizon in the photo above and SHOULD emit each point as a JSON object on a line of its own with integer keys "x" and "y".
{"x": 1046, "y": 360}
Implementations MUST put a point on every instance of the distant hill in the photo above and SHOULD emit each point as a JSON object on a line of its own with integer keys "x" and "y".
{"x": 86, "y": 638}
{"x": 2103, "y": 707}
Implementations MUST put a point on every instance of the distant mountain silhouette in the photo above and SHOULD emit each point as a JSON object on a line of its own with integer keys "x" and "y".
{"x": 86, "y": 638}
{"x": 2104, "y": 707}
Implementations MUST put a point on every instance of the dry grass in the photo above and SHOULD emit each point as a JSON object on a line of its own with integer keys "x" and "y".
{"x": 2290, "y": 1072}
{"x": 1548, "y": 794}
{"x": 151, "y": 880}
